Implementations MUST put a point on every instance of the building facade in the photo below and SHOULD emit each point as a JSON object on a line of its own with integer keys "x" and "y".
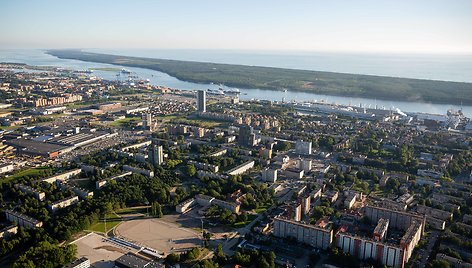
{"x": 318, "y": 236}
{"x": 201, "y": 101}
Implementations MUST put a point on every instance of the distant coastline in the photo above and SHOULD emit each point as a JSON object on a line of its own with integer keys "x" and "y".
{"x": 328, "y": 83}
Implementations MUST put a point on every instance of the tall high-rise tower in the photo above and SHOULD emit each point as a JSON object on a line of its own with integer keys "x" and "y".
{"x": 246, "y": 135}
{"x": 201, "y": 101}
{"x": 156, "y": 154}
{"x": 149, "y": 121}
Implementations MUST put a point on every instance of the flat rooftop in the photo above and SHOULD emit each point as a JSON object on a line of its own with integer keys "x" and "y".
{"x": 77, "y": 139}
{"x": 37, "y": 147}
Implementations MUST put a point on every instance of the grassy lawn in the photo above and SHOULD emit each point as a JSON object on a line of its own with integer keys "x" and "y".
{"x": 27, "y": 172}
{"x": 200, "y": 122}
{"x": 124, "y": 121}
{"x": 250, "y": 218}
{"x": 182, "y": 119}
{"x": 131, "y": 210}
{"x": 112, "y": 221}
{"x": 6, "y": 128}
{"x": 77, "y": 105}
{"x": 261, "y": 209}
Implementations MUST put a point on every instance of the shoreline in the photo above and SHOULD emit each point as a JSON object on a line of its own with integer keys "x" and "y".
{"x": 271, "y": 78}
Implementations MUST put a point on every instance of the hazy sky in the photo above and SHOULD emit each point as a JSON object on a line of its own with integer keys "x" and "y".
{"x": 429, "y": 26}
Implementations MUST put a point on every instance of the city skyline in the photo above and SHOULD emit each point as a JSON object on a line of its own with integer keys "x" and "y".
{"x": 339, "y": 26}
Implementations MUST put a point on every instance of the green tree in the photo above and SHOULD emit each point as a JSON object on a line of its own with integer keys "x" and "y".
{"x": 156, "y": 210}
{"x": 220, "y": 256}
{"x": 46, "y": 254}
{"x": 173, "y": 258}
{"x": 190, "y": 170}
{"x": 438, "y": 264}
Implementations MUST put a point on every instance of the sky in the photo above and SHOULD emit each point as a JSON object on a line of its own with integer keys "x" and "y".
{"x": 397, "y": 26}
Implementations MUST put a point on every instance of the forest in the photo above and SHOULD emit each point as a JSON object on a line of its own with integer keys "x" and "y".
{"x": 328, "y": 83}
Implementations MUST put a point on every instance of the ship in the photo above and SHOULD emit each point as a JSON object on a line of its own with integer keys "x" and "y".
{"x": 232, "y": 91}
{"x": 125, "y": 71}
{"x": 215, "y": 92}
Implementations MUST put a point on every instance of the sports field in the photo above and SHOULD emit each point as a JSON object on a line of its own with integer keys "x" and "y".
{"x": 162, "y": 236}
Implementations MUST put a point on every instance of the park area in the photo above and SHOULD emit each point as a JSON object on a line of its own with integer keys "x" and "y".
{"x": 162, "y": 236}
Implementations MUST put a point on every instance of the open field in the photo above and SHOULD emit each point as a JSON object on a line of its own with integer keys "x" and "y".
{"x": 112, "y": 221}
{"x": 31, "y": 172}
{"x": 329, "y": 83}
{"x": 162, "y": 236}
{"x": 125, "y": 121}
{"x": 206, "y": 123}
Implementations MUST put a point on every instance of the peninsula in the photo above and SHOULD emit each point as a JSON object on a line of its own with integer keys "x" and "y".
{"x": 328, "y": 83}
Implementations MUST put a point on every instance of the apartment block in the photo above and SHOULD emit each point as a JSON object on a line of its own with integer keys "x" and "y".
{"x": 319, "y": 235}
{"x": 22, "y": 219}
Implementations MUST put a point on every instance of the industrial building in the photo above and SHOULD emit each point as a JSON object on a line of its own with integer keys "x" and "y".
{"x": 38, "y": 148}
{"x": 80, "y": 139}
{"x": 55, "y": 146}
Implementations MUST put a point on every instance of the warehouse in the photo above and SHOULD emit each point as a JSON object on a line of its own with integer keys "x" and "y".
{"x": 31, "y": 147}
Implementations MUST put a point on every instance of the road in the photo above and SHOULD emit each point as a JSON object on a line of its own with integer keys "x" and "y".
{"x": 426, "y": 251}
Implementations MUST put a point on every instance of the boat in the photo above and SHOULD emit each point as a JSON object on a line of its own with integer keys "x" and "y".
{"x": 215, "y": 92}
{"x": 125, "y": 71}
{"x": 232, "y": 91}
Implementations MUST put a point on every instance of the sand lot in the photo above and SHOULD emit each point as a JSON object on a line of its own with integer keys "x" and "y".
{"x": 157, "y": 234}
{"x": 98, "y": 250}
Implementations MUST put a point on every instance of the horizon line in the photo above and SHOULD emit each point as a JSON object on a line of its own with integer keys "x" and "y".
{"x": 262, "y": 51}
